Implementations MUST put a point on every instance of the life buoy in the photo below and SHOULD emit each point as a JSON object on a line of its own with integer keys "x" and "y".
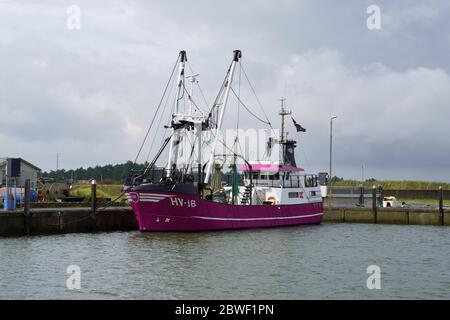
{"x": 273, "y": 199}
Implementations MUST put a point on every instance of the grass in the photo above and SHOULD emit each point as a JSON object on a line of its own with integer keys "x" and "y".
{"x": 395, "y": 185}
{"x": 426, "y": 201}
{"x": 112, "y": 191}
{"x": 433, "y": 202}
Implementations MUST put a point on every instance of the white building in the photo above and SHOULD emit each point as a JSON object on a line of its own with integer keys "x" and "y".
{"x": 27, "y": 171}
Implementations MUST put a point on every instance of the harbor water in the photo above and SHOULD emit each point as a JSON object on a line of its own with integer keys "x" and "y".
{"x": 327, "y": 261}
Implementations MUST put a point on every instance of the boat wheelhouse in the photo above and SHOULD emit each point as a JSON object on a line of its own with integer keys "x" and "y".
{"x": 281, "y": 184}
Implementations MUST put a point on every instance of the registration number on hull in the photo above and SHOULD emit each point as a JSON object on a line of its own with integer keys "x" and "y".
{"x": 180, "y": 202}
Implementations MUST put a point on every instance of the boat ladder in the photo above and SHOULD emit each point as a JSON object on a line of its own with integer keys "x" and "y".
{"x": 246, "y": 197}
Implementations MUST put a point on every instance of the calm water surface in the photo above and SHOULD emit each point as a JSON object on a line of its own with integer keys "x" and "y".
{"x": 327, "y": 261}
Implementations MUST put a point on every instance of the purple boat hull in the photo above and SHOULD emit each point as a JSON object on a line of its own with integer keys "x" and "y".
{"x": 182, "y": 212}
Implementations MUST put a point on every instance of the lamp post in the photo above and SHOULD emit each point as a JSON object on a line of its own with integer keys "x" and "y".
{"x": 331, "y": 157}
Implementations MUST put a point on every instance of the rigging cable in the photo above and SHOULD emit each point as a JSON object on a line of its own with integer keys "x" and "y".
{"x": 237, "y": 141}
{"x": 190, "y": 97}
{"x": 157, "y": 110}
{"x": 249, "y": 111}
{"x": 109, "y": 203}
{"x": 239, "y": 98}
{"x": 219, "y": 94}
{"x": 190, "y": 156}
{"x": 159, "y": 123}
{"x": 170, "y": 120}
{"x": 306, "y": 158}
{"x": 256, "y": 96}
{"x": 199, "y": 87}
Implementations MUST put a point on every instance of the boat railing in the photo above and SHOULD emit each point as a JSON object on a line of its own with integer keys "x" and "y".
{"x": 159, "y": 174}
{"x": 292, "y": 181}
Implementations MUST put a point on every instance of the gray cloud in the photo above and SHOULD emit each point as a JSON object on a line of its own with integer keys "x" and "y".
{"x": 90, "y": 94}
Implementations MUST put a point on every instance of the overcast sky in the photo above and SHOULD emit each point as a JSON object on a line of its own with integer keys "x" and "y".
{"x": 89, "y": 93}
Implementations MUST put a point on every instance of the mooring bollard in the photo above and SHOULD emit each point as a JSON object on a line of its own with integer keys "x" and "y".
{"x": 374, "y": 202}
{"x": 93, "y": 196}
{"x": 26, "y": 208}
{"x": 441, "y": 204}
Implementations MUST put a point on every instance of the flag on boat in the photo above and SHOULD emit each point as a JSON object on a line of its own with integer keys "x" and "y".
{"x": 298, "y": 127}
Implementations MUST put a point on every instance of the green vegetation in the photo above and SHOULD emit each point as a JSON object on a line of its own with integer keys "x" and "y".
{"x": 412, "y": 202}
{"x": 109, "y": 173}
{"x": 112, "y": 191}
{"x": 116, "y": 175}
{"x": 426, "y": 201}
{"x": 391, "y": 184}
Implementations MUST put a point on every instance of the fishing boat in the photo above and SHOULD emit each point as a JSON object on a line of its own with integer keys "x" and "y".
{"x": 192, "y": 192}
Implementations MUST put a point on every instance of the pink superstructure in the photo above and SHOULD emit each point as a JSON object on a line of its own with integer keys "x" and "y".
{"x": 270, "y": 167}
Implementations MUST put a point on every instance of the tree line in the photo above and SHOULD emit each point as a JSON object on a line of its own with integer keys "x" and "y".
{"x": 113, "y": 173}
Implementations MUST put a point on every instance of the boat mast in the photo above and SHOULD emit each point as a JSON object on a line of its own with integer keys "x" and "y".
{"x": 283, "y": 140}
{"x": 192, "y": 79}
{"x": 180, "y": 81}
{"x": 198, "y": 129}
{"x": 173, "y": 149}
{"x": 283, "y": 112}
{"x": 236, "y": 56}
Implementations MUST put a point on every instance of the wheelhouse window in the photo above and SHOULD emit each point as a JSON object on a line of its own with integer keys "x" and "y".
{"x": 295, "y": 181}
{"x": 255, "y": 175}
{"x": 275, "y": 176}
{"x": 311, "y": 181}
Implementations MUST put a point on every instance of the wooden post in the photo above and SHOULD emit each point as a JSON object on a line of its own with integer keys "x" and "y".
{"x": 93, "y": 196}
{"x": 380, "y": 195}
{"x": 441, "y": 204}
{"x": 361, "y": 195}
{"x": 26, "y": 207}
{"x": 374, "y": 202}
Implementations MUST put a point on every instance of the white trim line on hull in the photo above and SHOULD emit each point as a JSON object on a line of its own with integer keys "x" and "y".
{"x": 159, "y": 195}
{"x": 255, "y": 219}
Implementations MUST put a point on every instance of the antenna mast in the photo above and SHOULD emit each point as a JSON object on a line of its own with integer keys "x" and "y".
{"x": 283, "y": 112}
